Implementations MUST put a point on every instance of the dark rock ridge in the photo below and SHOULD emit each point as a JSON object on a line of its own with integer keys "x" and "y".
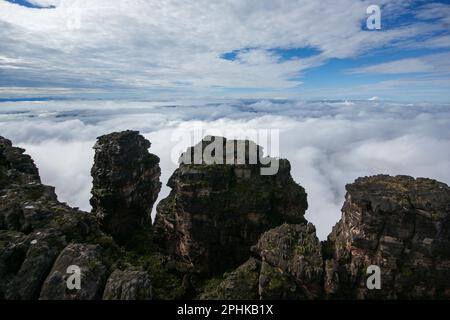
{"x": 215, "y": 212}
{"x": 40, "y": 237}
{"x": 217, "y": 218}
{"x": 125, "y": 183}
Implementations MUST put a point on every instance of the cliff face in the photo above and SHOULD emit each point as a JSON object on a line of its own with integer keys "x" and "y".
{"x": 216, "y": 212}
{"x": 125, "y": 183}
{"x": 217, "y": 217}
{"x": 400, "y": 224}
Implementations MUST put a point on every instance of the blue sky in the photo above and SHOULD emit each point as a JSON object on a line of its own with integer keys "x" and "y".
{"x": 64, "y": 49}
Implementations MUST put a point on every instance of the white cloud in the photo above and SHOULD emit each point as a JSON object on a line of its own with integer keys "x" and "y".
{"x": 176, "y": 45}
{"x": 328, "y": 144}
{"x": 435, "y": 63}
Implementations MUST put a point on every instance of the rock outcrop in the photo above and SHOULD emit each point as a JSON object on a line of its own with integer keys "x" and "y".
{"x": 218, "y": 217}
{"x": 88, "y": 258}
{"x": 34, "y": 226}
{"x": 240, "y": 284}
{"x": 41, "y": 237}
{"x": 399, "y": 224}
{"x": 217, "y": 210}
{"x": 292, "y": 263}
{"x": 125, "y": 183}
{"x": 287, "y": 264}
{"x": 128, "y": 285}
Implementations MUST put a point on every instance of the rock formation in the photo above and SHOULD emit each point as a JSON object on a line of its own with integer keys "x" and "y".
{"x": 125, "y": 183}
{"x": 292, "y": 263}
{"x": 88, "y": 258}
{"x": 218, "y": 217}
{"x": 400, "y": 224}
{"x": 128, "y": 285}
{"x": 217, "y": 211}
{"x": 40, "y": 237}
{"x": 34, "y": 226}
{"x": 287, "y": 264}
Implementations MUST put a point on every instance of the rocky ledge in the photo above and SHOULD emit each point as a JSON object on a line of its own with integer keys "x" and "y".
{"x": 224, "y": 232}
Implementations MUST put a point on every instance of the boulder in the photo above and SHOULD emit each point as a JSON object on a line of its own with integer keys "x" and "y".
{"x": 93, "y": 271}
{"x": 292, "y": 262}
{"x": 128, "y": 285}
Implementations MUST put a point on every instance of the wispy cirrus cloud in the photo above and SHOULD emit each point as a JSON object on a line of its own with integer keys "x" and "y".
{"x": 435, "y": 63}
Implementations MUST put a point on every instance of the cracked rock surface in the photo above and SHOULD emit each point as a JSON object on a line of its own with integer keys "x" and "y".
{"x": 216, "y": 211}
{"x": 400, "y": 224}
{"x": 125, "y": 183}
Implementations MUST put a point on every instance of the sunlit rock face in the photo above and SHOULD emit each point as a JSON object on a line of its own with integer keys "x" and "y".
{"x": 125, "y": 183}
{"x": 400, "y": 224}
{"x": 216, "y": 211}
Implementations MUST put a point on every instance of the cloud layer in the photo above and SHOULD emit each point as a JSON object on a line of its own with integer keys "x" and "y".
{"x": 174, "y": 46}
{"x": 328, "y": 144}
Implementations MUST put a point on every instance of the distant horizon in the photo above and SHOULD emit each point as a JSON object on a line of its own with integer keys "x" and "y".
{"x": 47, "y": 99}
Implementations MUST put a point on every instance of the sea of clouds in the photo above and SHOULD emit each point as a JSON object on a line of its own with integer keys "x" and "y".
{"x": 329, "y": 143}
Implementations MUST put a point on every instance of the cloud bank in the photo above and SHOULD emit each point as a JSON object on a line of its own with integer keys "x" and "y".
{"x": 329, "y": 143}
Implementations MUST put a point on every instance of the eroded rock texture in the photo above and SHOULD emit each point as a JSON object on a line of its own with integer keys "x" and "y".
{"x": 292, "y": 263}
{"x": 287, "y": 264}
{"x": 125, "y": 183}
{"x": 240, "y": 284}
{"x": 128, "y": 285}
{"x": 216, "y": 212}
{"x": 88, "y": 258}
{"x": 41, "y": 237}
{"x": 218, "y": 217}
{"x": 400, "y": 224}
{"x": 34, "y": 226}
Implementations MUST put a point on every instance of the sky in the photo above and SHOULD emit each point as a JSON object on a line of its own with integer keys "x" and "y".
{"x": 166, "y": 49}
